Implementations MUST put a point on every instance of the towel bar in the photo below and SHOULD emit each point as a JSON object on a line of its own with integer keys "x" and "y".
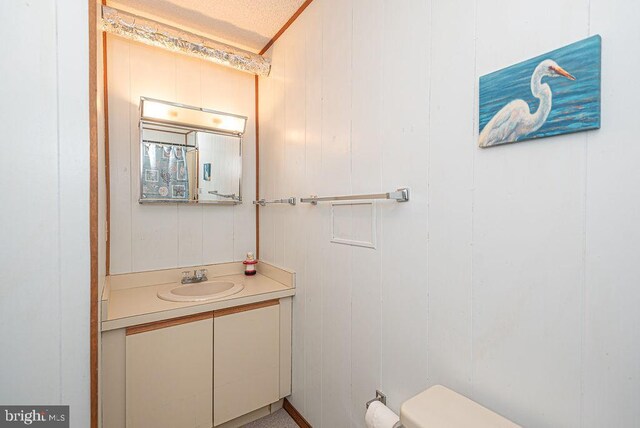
{"x": 400, "y": 195}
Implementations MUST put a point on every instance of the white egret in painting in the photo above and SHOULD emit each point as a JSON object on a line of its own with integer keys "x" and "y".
{"x": 515, "y": 120}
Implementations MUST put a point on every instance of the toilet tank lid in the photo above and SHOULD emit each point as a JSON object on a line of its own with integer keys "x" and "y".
{"x": 440, "y": 407}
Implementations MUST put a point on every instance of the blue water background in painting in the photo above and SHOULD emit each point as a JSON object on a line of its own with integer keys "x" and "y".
{"x": 576, "y": 103}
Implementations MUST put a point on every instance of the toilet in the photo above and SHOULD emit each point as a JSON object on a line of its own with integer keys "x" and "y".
{"x": 440, "y": 407}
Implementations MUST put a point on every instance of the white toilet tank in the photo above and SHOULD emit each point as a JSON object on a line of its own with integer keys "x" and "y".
{"x": 440, "y": 407}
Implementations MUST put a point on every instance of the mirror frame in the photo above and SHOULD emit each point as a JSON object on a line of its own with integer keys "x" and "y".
{"x": 186, "y": 127}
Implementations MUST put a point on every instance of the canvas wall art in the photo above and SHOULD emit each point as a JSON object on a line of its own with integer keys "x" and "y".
{"x": 551, "y": 94}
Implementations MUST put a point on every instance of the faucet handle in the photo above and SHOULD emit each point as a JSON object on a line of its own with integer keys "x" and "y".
{"x": 186, "y": 277}
{"x": 200, "y": 273}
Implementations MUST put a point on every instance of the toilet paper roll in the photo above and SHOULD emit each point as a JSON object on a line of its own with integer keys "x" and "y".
{"x": 380, "y": 416}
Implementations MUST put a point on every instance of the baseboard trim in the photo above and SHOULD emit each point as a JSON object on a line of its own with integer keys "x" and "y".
{"x": 295, "y": 415}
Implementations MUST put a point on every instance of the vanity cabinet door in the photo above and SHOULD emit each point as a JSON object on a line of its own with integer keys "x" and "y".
{"x": 169, "y": 375}
{"x": 246, "y": 359}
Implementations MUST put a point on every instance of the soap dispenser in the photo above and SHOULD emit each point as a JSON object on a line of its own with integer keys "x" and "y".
{"x": 250, "y": 264}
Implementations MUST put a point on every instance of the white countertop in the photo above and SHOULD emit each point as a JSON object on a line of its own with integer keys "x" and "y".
{"x": 140, "y": 305}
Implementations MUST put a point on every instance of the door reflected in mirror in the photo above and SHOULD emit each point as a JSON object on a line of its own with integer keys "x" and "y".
{"x": 220, "y": 164}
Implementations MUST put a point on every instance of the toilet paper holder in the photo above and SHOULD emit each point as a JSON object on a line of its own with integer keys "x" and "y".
{"x": 379, "y": 397}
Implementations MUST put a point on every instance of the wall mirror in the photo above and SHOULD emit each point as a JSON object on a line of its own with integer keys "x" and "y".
{"x": 189, "y": 154}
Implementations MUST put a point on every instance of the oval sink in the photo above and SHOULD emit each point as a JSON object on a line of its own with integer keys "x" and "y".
{"x": 209, "y": 290}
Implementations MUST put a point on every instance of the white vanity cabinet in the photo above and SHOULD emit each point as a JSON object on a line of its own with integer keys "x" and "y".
{"x": 246, "y": 363}
{"x": 169, "y": 374}
{"x": 198, "y": 371}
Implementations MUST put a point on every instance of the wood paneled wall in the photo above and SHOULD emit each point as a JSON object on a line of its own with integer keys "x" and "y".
{"x": 343, "y": 112}
{"x": 45, "y": 259}
{"x": 511, "y": 275}
{"x": 147, "y": 237}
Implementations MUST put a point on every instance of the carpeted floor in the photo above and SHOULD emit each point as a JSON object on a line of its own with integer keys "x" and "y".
{"x": 278, "y": 419}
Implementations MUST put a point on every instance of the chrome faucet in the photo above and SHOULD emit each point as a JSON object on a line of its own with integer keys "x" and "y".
{"x": 199, "y": 275}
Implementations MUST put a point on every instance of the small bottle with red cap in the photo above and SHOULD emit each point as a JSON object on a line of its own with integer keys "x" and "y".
{"x": 250, "y": 264}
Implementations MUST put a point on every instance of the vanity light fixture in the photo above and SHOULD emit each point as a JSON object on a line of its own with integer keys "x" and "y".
{"x": 164, "y": 36}
{"x": 182, "y": 115}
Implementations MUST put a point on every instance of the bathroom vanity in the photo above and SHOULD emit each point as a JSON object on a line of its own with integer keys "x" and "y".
{"x": 195, "y": 364}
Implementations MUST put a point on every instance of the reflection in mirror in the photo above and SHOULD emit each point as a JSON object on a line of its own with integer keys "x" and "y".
{"x": 184, "y": 165}
{"x": 220, "y": 167}
{"x": 167, "y": 157}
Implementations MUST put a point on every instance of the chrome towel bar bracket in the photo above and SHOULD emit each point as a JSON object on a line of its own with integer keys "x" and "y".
{"x": 400, "y": 195}
{"x": 263, "y": 202}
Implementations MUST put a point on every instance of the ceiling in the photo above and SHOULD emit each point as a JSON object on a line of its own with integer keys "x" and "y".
{"x": 248, "y": 24}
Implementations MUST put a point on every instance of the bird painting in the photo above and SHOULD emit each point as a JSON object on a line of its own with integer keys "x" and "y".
{"x": 528, "y": 101}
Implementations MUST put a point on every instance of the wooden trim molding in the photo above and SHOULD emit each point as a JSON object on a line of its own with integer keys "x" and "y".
{"x": 93, "y": 216}
{"x": 295, "y": 415}
{"x": 285, "y": 26}
{"x": 244, "y": 308}
{"x": 143, "y": 328}
{"x": 107, "y": 173}
{"x": 257, "y": 94}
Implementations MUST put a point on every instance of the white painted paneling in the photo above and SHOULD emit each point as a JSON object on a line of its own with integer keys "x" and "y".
{"x": 341, "y": 286}
{"x": 30, "y": 234}
{"x": 244, "y": 215}
{"x": 450, "y": 194}
{"x": 154, "y": 228}
{"x": 611, "y": 343}
{"x": 528, "y": 241}
{"x": 403, "y": 240}
{"x": 510, "y": 274}
{"x": 367, "y": 113}
{"x": 336, "y": 168}
{"x": 120, "y": 172}
{"x": 292, "y": 184}
{"x": 148, "y": 237}
{"x": 277, "y": 145}
{"x": 316, "y": 230}
{"x": 44, "y": 250}
{"x": 265, "y": 101}
{"x": 74, "y": 251}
